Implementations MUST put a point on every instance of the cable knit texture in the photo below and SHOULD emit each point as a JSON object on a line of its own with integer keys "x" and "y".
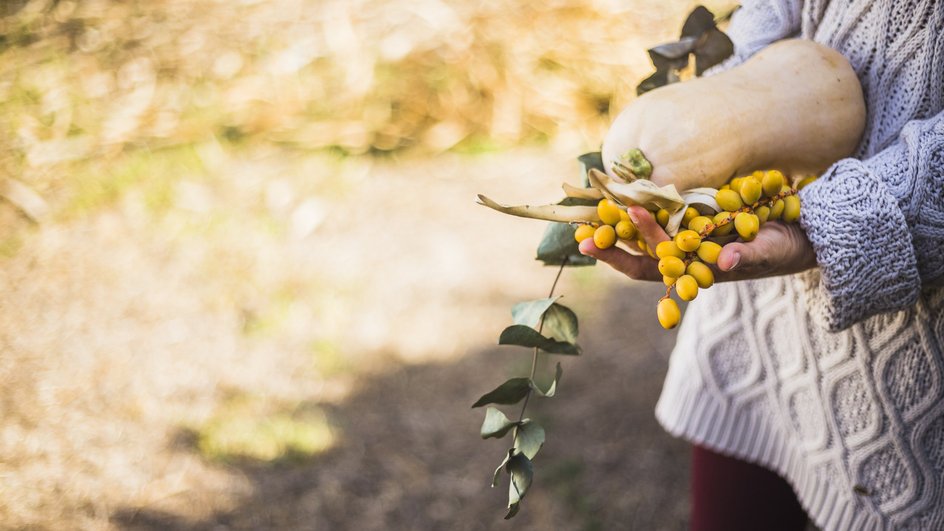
{"x": 835, "y": 377}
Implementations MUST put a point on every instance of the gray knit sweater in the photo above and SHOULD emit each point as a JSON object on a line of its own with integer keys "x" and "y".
{"x": 835, "y": 377}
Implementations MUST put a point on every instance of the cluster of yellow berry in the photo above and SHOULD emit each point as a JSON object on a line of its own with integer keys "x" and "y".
{"x": 615, "y": 224}
{"x": 745, "y": 203}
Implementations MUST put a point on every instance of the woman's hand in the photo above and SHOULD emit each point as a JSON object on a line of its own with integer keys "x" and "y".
{"x": 778, "y": 249}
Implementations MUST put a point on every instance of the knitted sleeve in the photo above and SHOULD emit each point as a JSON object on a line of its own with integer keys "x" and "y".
{"x": 877, "y": 227}
{"x": 758, "y": 23}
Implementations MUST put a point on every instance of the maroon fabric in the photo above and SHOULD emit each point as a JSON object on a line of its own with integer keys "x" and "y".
{"x": 731, "y": 495}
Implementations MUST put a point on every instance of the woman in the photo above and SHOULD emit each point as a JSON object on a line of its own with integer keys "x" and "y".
{"x": 824, "y": 366}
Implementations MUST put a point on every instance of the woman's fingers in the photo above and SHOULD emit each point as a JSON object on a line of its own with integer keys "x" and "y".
{"x": 636, "y": 267}
{"x": 778, "y": 249}
{"x": 647, "y": 226}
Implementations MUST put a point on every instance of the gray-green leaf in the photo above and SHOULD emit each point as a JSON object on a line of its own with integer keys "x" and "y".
{"x": 593, "y": 159}
{"x": 525, "y": 336}
{"x": 510, "y": 392}
{"x": 496, "y": 424}
{"x": 558, "y": 244}
{"x": 498, "y": 470}
{"x": 519, "y": 466}
{"x": 560, "y": 322}
{"x": 529, "y": 313}
{"x": 530, "y": 438}
{"x": 552, "y": 390}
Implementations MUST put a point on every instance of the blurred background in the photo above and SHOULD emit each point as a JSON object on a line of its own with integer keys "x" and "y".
{"x": 244, "y": 283}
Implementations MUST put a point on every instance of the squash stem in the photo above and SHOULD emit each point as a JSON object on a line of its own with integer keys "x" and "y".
{"x": 637, "y": 163}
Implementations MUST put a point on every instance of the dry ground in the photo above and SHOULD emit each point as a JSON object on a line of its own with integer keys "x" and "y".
{"x": 267, "y": 367}
{"x": 260, "y": 294}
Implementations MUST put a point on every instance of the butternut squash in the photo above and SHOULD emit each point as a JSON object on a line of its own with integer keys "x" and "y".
{"x": 796, "y": 106}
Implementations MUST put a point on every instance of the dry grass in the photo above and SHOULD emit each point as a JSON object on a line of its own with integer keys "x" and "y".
{"x": 257, "y": 211}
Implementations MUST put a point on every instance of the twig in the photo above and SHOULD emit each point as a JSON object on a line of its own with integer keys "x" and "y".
{"x": 534, "y": 358}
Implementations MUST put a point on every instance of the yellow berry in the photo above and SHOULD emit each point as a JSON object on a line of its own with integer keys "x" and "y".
{"x": 604, "y": 237}
{"x": 668, "y": 313}
{"x": 625, "y": 229}
{"x": 747, "y": 225}
{"x": 763, "y": 213}
{"x": 725, "y": 228}
{"x": 650, "y": 252}
{"x": 583, "y": 232}
{"x": 671, "y": 266}
{"x": 699, "y": 224}
{"x": 750, "y": 190}
{"x": 758, "y": 174}
{"x": 736, "y": 183}
{"x": 772, "y": 182}
{"x": 791, "y": 208}
{"x": 624, "y": 215}
{"x": 668, "y": 281}
{"x": 687, "y": 287}
{"x": 690, "y": 214}
{"x": 729, "y": 200}
{"x": 641, "y": 244}
{"x": 806, "y": 180}
{"x": 687, "y": 240}
{"x": 608, "y": 211}
{"x": 662, "y": 217}
{"x": 668, "y": 248}
{"x": 701, "y": 273}
{"x": 725, "y": 187}
{"x": 776, "y": 210}
{"x": 708, "y": 252}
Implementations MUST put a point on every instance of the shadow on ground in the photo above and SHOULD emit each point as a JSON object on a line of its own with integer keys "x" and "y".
{"x": 409, "y": 456}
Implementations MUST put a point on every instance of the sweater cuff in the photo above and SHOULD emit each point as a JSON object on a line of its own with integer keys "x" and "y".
{"x": 862, "y": 243}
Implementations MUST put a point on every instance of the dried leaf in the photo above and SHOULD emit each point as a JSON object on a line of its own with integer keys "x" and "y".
{"x": 659, "y": 78}
{"x": 701, "y": 199}
{"x": 560, "y": 213}
{"x": 713, "y": 48}
{"x": 701, "y": 37}
{"x": 641, "y": 192}
{"x": 590, "y": 194}
{"x": 665, "y": 55}
{"x": 698, "y": 21}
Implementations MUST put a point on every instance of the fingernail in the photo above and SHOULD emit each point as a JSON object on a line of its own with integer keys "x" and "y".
{"x": 736, "y": 261}
{"x": 632, "y": 216}
{"x": 586, "y": 247}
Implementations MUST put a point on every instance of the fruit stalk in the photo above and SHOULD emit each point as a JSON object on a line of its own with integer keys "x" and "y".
{"x": 767, "y": 202}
